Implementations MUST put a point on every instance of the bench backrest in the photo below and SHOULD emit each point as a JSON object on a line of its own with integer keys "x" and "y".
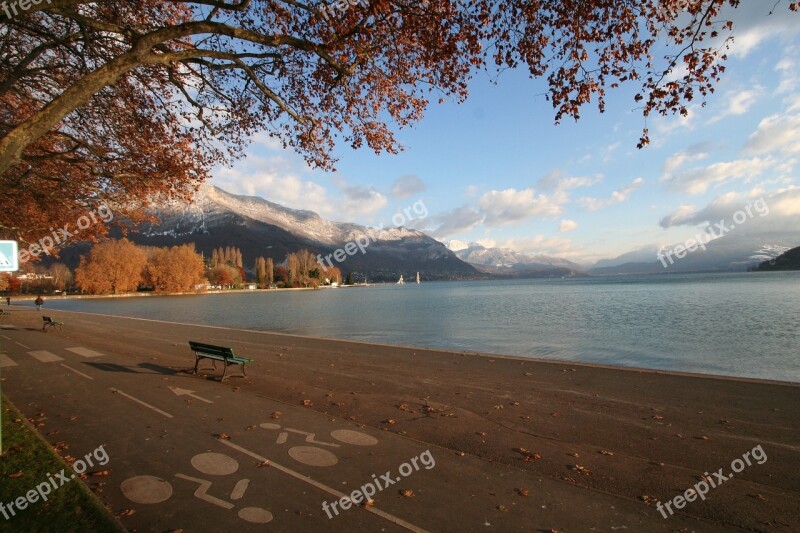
{"x": 211, "y": 349}
{"x": 47, "y": 319}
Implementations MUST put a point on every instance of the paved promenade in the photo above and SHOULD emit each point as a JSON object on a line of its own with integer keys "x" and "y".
{"x": 439, "y": 441}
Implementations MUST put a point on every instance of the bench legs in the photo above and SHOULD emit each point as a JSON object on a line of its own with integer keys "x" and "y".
{"x": 225, "y": 370}
{"x": 214, "y": 364}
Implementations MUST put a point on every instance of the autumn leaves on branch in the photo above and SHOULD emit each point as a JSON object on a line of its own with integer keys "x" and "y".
{"x": 134, "y": 101}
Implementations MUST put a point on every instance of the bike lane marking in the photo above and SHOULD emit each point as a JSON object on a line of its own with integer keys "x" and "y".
{"x": 330, "y": 490}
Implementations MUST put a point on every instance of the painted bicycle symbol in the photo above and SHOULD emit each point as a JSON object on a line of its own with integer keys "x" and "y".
{"x": 152, "y": 489}
{"x": 149, "y": 489}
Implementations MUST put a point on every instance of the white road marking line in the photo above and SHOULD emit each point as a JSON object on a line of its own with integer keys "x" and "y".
{"x": 391, "y": 518}
{"x": 84, "y": 352}
{"x": 77, "y": 371}
{"x": 26, "y": 347}
{"x": 156, "y": 409}
{"x": 6, "y": 361}
{"x": 7, "y": 326}
{"x": 45, "y": 357}
{"x": 6, "y": 338}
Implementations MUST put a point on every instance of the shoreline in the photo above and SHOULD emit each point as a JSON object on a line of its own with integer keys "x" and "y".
{"x": 512, "y": 357}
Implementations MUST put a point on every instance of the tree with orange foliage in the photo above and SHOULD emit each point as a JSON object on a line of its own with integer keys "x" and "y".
{"x": 111, "y": 267}
{"x": 123, "y": 100}
{"x": 176, "y": 269}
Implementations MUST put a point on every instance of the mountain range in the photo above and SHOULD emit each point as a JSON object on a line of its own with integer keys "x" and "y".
{"x": 260, "y": 228}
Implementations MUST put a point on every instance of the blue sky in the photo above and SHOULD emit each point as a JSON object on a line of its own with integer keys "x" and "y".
{"x": 496, "y": 169}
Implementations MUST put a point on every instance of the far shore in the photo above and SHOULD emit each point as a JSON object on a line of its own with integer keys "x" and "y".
{"x": 32, "y": 296}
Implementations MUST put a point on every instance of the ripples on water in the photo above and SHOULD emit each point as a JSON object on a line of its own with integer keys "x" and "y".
{"x": 731, "y": 324}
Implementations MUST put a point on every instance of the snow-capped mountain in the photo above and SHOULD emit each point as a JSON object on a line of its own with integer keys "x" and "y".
{"x": 263, "y": 228}
{"x": 732, "y": 253}
{"x": 509, "y": 262}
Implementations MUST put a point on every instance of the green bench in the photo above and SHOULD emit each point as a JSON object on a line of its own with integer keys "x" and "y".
{"x": 217, "y": 353}
{"x": 51, "y": 323}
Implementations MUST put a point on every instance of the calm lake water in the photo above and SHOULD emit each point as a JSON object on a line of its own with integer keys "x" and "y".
{"x": 729, "y": 324}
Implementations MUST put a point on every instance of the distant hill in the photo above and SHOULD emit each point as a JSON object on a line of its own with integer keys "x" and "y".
{"x": 505, "y": 263}
{"x": 727, "y": 254}
{"x": 786, "y": 261}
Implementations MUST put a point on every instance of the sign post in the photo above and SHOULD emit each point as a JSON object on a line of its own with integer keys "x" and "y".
{"x": 9, "y": 262}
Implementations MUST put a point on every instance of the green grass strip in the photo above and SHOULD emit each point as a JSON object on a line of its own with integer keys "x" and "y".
{"x": 27, "y": 461}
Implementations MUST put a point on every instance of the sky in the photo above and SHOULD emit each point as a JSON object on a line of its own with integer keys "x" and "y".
{"x": 496, "y": 170}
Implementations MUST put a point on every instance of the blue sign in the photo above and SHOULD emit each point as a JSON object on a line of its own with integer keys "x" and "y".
{"x": 9, "y": 261}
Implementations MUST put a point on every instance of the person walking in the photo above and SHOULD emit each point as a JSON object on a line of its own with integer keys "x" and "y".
{"x": 8, "y": 301}
{"x": 39, "y": 302}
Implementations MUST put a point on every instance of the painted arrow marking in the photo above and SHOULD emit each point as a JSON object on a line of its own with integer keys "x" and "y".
{"x": 183, "y": 392}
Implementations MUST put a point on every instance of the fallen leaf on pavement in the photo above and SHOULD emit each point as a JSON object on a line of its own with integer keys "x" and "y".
{"x": 581, "y": 470}
{"x": 407, "y": 493}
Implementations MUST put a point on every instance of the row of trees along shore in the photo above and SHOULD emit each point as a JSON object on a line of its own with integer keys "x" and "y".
{"x": 120, "y": 266}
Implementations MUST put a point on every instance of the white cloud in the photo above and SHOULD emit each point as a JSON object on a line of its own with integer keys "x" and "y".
{"x": 695, "y": 152}
{"x": 787, "y": 69}
{"x": 361, "y": 200}
{"x": 794, "y": 103}
{"x": 698, "y": 180}
{"x": 780, "y": 132}
{"x": 737, "y": 103}
{"x": 406, "y": 186}
{"x": 609, "y": 151}
{"x": 618, "y": 196}
{"x": 510, "y": 206}
{"x": 272, "y": 178}
{"x": 755, "y": 22}
{"x": 453, "y": 222}
{"x": 778, "y": 211}
{"x": 567, "y": 225}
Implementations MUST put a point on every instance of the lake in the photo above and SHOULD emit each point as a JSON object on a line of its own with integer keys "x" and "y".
{"x": 743, "y": 324}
